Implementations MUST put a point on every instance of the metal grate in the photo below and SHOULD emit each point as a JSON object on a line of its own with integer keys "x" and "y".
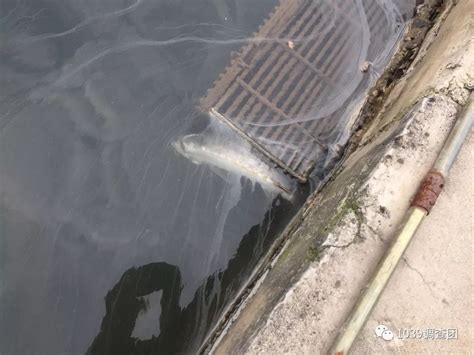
{"x": 277, "y": 88}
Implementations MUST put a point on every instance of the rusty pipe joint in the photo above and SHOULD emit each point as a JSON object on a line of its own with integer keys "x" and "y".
{"x": 428, "y": 192}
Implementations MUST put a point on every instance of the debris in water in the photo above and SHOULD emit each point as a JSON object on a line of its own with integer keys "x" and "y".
{"x": 365, "y": 67}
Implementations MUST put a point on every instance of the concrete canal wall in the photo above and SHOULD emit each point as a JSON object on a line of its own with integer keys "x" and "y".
{"x": 301, "y": 296}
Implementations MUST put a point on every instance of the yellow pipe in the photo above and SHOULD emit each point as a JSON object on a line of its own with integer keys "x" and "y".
{"x": 374, "y": 289}
{"x": 422, "y": 204}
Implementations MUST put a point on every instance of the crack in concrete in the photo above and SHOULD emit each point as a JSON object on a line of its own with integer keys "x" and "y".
{"x": 427, "y": 283}
{"x": 344, "y": 246}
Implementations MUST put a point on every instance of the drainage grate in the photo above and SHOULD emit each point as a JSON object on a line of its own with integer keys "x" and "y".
{"x": 287, "y": 91}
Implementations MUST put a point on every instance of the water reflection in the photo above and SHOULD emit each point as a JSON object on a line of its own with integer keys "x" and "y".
{"x": 126, "y": 301}
{"x": 181, "y": 328}
{"x": 93, "y": 94}
{"x": 94, "y": 200}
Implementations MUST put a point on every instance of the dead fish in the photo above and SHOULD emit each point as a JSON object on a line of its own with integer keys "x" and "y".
{"x": 224, "y": 156}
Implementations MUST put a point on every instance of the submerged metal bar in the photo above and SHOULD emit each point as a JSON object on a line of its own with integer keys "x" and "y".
{"x": 216, "y": 114}
{"x": 305, "y": 61}
{"x": 274, "y": 90}
{"x": 275, "y": 109}
{"x": 271, "y": 83}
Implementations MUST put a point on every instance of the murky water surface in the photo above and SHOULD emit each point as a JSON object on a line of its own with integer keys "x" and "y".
{"x": 118, "y": 234}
